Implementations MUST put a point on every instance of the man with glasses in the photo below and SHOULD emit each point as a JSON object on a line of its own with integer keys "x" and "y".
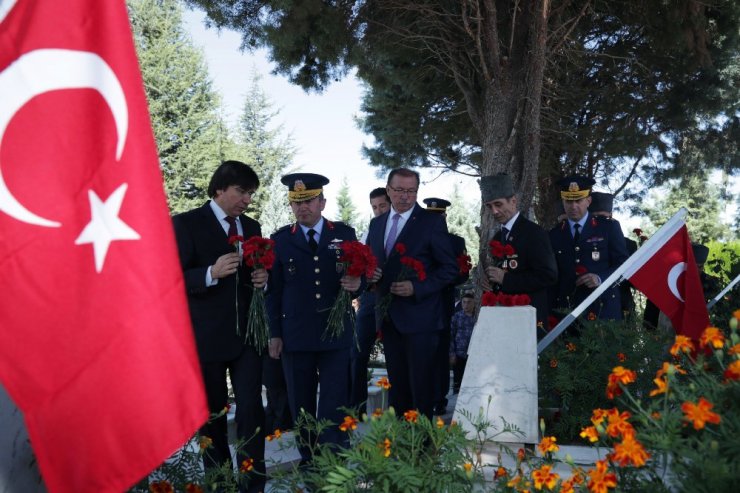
{"x": 219, "y": 289}
{"x": 412, "y": 325}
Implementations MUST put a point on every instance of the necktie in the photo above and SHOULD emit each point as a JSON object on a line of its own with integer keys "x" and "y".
{"x": 312, "y": 241}
{"x": 504, "y": 234}
{"x": 577, "y": 232}
{"x": 232, "y": 226}
{"x": 392, "y": 235}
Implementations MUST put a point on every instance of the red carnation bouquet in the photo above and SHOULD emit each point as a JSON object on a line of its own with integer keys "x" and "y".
{"x": 502, "y": 299}
{"x": 356, "y": 259}
{"x": 259, "y": 253}
{"x": 410, "y": 267}
{"x": 499, "y": 255}
{"x": 464, "y": 264}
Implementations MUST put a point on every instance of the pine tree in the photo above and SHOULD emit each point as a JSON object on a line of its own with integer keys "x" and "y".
{"x": 263, "y": 146}
{"x": 462, "y": 218}
{"x": 703, "y": 202}
{"x": 184, "y": 108}
{"x": 274, "y": 211}
{"x": 347, "y": 212}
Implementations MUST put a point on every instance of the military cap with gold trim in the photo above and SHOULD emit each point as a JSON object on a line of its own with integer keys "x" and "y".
{"x": 304, "y": 186}
{"x": 575, "y": 187}
{"x": 437, "y": 205}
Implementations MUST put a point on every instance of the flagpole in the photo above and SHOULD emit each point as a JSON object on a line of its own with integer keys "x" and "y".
{"x": 629, "y": 267}
{"x": 722, "y": 293}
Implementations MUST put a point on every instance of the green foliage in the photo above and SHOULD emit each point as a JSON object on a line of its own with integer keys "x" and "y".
{"x": 573, "y": 369}
{"x": 189, "y": 131}
{"x": 462, "y": 218}
{"x": 263, "y": 146}
{"x": 346, "y": 208}
{"x": 703, "y": 202}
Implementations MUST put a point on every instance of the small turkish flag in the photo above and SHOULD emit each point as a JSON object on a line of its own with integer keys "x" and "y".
{"x": 670, "y": 279}
{"x": 96, "y": 346}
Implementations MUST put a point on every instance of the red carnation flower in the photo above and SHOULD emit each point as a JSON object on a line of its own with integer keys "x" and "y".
{"x": 400, "y": 248}
{"x": 581, "y": 269}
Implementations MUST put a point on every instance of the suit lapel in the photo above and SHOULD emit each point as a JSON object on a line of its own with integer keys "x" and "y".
{"x": 212, "y": 222}
{"x": 410, "y": 226}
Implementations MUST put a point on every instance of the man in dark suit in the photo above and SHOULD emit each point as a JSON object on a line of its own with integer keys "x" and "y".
{"x": 413, "y": 323}
{"x": 587, "y": 249}
{"x": 219, "y": 293}
{"x": 531, "y": 269}
{"x": 365, "y": 322}
{"x": 306, "y": 280}
{"x": 602, "y": 204}
{"x": 442, "y": 364}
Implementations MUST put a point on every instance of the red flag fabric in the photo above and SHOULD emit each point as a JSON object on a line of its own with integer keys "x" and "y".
{"x": 96, "y": 346}
{"x": 670, "y": 279}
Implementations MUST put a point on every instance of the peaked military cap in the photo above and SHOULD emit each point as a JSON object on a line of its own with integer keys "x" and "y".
{"x": 437, "y": 205}
{"x": 575, "y": 187}
{"x": 601, "y": 202}
{"x": 304, "y": 186}
{"x": 496, "y": 186}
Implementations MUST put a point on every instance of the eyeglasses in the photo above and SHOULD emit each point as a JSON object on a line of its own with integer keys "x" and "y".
{"x": 401, "y": 191}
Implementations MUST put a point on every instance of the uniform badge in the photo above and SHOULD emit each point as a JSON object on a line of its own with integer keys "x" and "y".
{"x": 505, "y": 264}
{"x": 299, "y": 186}
{"x": 335, "y": 245}
{"x": 595, "y": 255}
{"x": 573, "y": 187}
{"x": 513, "y": 263}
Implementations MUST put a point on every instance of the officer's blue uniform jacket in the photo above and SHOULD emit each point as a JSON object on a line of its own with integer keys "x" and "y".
{"x": 303, "y": 287}
{"x": 600, "y": 250}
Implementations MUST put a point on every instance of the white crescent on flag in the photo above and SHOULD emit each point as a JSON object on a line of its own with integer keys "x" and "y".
{"x": 41, "y": 71}
{"x": 673, "y": 276}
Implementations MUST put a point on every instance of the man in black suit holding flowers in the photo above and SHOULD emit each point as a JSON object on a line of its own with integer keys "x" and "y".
{"x": 219, "y": 293}
{"x": 528, "y": 264}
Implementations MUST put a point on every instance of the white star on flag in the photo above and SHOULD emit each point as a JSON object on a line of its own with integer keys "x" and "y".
{"x": 105, "y": 226}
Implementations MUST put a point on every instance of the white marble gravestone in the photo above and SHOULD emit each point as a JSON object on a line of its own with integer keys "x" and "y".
{"x": 502, "y": 365}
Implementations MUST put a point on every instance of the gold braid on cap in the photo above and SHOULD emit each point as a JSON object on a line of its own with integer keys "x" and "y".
{"x": 304, "y": 194}
{"x": 574, "y": 192}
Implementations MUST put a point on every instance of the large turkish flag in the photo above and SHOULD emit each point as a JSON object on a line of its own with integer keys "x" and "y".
{"x": 96, "y": 346}
{"x": 670, "y": 279}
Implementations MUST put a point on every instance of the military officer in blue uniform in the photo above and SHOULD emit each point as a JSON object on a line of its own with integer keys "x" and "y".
{"x": 305, "y": 281}
{"x": 587, "y": 249}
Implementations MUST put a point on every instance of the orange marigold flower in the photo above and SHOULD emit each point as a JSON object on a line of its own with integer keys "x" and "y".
{"x": 712, "y": 336}
{"x": 383, "y": 383}
{"x": 386, "y": 446}
{"x": 440, "y": 423}
{"x": 732, "y": 372}
{"x": 661, "y": 387}
{"x": 621, "y": 357}
{"x": 520, "y": 455}
{"x": 591, "y": 316}
{"x": 590, "y": 433}
{"x": 600, "y": 479}
{"x": 736, "y": 314}
{"x": 571, "y": 347}
{"x": 500, "y": 473}
{"x": 553, "y": 363}
{"x": 468, "y": 466}
{"x": 700, "y": 413}
{"x": 412, "y": 415}
{"x": 544, "y": 477}
{"x": 275, "y": 435}
{"x": 619, "y": 375}
{"x": 618, "y": 424}
{"x": 655, "y": 415}
{"x": 377, "y": 413}
{"x": 161, "y": 487}
{"x": 247, "y": 465}
{"x": 734, "y": 349}
{"x": 548, "y": 445}
{"x": 668, "y": 369}
{"x": 683, "y": 344}
{"x": 630, "y": 451}
{"x": 598, "y": 415}
{"x": 349, "y": 423}
{"x": 567, "y": 486}
{"x": 204, "y": 442}
{"x": 514, "y": 482}
{"x": 193, "y": 488}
